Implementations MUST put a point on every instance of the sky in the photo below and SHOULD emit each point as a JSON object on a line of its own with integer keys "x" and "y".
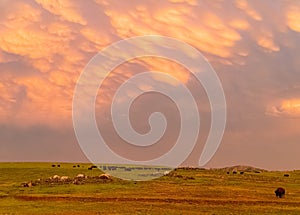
{"x": 252, "y": 45}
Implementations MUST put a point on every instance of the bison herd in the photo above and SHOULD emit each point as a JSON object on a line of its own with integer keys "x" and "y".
{"x": 81, "y": 178}
{"x": 77, "y": 180}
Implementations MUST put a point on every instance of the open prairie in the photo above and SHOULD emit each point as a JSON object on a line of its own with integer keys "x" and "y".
{"x": 182, "y": 191}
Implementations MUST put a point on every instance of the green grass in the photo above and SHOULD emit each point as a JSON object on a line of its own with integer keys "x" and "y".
{"x": 184, "y": 192}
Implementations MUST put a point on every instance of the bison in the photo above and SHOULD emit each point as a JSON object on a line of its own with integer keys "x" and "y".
{"x": 280, "y": 192}
{"x": 105, "y": 176}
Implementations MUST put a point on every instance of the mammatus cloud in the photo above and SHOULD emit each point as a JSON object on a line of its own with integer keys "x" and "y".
{"x": 266, "y": 41}
{"x": 293, "y": 16}
{"x": 65, "y": 9}
{"x": 43, "y": 43}
{"x": 180, "y": 21}
{"x": 253, "y": 45}
{"x": 57, "y": 38}
{"x": 190, "y": 2}
{"x": 245, "y": 6}
{"x": 287, "y": 108}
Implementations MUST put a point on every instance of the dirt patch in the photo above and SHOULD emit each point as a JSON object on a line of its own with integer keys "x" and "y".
{"x": 153, "y": 200}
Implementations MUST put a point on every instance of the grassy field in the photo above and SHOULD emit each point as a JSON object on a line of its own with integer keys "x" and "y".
{"x": 184, "y": 191}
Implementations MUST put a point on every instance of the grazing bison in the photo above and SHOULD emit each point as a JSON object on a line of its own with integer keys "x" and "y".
{"x": 286, "y": 175}
{"x": 105, "y": 176}
{"x": 65, "y": 178}
{"x": 80, "y": 176}
{"x": 280, "y": 192}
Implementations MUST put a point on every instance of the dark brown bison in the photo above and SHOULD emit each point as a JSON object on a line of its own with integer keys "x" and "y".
{"x": 280, "y": 192}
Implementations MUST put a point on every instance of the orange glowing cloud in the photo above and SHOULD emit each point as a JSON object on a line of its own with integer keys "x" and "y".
{"x": 36, "y": 44}
{"x": 66, "y": 9}
{"x": 266, "y": 41}
{"x": 43, "y": 95}
{"x": 45, "y": 103}
{"x": 248, "y": 9}
{"x": 293, "y": 17}
{"x": 209, "y": 33}
{"x": 96, "y": 37}
{"x": 239, "y": 24}
{"x": 287, "y": 108}
{"x": 166, "y": 66}
{"x": 190, "y": 2}
{"x": 20, "y": 15}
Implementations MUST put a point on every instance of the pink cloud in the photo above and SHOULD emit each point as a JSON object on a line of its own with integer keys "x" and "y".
{"x": 66, "y": 9}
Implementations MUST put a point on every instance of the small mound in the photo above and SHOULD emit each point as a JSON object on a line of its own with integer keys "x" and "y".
{"x": 241, "y": 168}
